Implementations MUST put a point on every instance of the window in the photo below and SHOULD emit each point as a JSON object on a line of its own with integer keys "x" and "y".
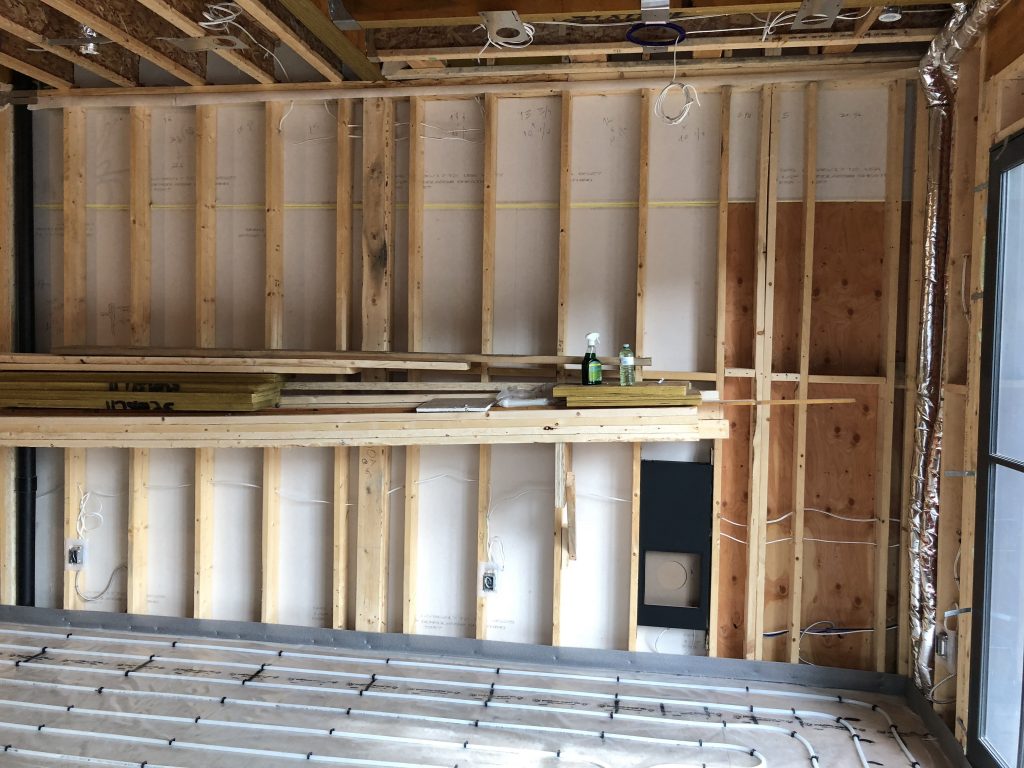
{"x": 996, "y": 686}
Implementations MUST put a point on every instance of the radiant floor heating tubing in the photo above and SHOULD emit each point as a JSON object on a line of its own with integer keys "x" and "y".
{"x": 57, "y": 653}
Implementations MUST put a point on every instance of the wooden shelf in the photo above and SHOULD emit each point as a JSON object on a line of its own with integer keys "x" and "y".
{"x": 555, "y": 425}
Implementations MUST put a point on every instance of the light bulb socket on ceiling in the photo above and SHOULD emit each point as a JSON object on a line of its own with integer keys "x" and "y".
{"x": 890, "y": 14}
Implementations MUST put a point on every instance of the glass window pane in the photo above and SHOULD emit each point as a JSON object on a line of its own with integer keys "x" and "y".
{"x": 1004, "y": 646}
{"x": 1009, "y": 429}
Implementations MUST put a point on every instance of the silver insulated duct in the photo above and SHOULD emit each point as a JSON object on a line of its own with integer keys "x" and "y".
{"x": 939, "y": 73}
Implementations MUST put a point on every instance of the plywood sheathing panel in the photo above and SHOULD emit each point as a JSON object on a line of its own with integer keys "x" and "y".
{"x": 781, "y": 506}
{"x": 839, "y": 578}
{"x": 735, "y": 507}
{"x": 846, "y": 306}
{"x": 789, "y": 260}
{"x": 740, "y": 288}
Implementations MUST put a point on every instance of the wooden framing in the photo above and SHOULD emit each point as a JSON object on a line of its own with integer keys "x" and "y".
{"x": 34, "y": 26}
{"x": 372, "y": 540}
{"x": 800, "y": 450}
{"x": 271, "y": 535}
{"x": 766, "y": 226}
{"x": 339, "y": 562}
{"x": 564, "y": 219}
{"x": 8, "y": 516}
{"x": 860, "y": 31}
{"x": 139, "y": 210}
{"x": 343, "y": 260}
{"x": 483, "y": 506}
{"x": 721, "y": 283}
{"x": 206, "y": 226}
{"x": 74, "y": 488}
{"x": 563, "y": 465}
{"x": 183, "y": 16}
{"x": 74, "y": 324}
{"x": 202, "y": 601}
{"x": 106, "y": 18}
{"x": 8, "y": 528}
{"x": 411, "y": 547}
{"x": 887, "y": 361}
{"x": 138, "y": 530}
{"x": 634, "y": 548}
{"x": 274, "y": 200}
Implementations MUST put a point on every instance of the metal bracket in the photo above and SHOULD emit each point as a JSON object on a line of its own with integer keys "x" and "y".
{"x": 655, "y": 11}
{"x": 341, "y": 17}
{"x": 959, "y": 473}
{"x": 816, "y": 14}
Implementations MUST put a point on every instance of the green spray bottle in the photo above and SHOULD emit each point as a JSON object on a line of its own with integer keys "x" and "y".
{"x": 591, "y": 365}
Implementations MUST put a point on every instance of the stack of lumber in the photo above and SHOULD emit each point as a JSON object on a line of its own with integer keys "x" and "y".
{"x": 118, "y": 391}
{"x": 640, "y": 395}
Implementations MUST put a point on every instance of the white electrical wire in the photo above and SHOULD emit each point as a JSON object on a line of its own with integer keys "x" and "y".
{"x": 83, "y": 527}
{"x": 221, "y": 17}
{"x": 689, "y": 93}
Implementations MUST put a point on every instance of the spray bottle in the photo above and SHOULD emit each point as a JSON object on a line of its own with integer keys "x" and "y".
{"x": 591, "y": 365}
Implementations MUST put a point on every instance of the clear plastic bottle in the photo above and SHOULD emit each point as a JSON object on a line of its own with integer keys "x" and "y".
{"x": 627, "y": 366}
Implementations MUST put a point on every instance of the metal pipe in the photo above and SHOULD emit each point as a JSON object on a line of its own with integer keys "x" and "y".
{"x": 939, "y": 73}
{"x": 25, "y": 341}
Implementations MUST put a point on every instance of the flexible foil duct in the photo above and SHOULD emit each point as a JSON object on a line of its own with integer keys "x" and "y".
{"x": 939, "y": 72}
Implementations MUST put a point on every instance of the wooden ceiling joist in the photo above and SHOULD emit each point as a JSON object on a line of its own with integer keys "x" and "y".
{"x": 717, "y": 43}
{"x": 16, "y": 54}
{"x": 131, "y": 26}
{"x": 378, "y": 14}
{"x": 304, "y": 28}
{"x": 185, "y": 15}
{"x": 33, "y": 24}
{"x": 861, "y": 30}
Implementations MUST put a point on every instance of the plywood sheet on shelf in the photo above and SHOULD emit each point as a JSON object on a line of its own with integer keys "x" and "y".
{"x": 679, "y": 299}
{"x": 846, "y": 298}
{"x": 307, "y": 508}
{"x": 171, "y": 531}
{"x": 778, "y": 585}
{"x": 237, "y": 502}
{"x": 519, "y": 522}
{"x": 732, "y": 555}
{"x": 447, "y": 488}
{"x": 603, "y": 492}
{"x": 740, "y": 291}
{"x": 839, "y": 579}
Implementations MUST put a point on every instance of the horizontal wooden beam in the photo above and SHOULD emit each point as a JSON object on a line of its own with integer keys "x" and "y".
{"x": 1004, "y": 48}
{"x": 414, "y": 13}
{"x": 32, "y": 23}
{"x": 828, "y": 40}
{"x": 312, "y": 35}
{"x": 131, "y": 26}
{"x": 48, "y": 69}
{"x": 322, "y": 429}
{"x": 184, "y": 16}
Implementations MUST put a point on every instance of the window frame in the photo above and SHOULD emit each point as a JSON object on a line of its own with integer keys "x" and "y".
{"x": 1004, "y": 157}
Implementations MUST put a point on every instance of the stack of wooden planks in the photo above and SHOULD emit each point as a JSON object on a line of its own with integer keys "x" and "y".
{"x": 159, "y": 392}
{"x": 640, "y": 395}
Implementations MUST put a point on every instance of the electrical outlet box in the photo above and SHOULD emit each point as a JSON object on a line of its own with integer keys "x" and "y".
{"x": 488, "y": 579}
{"x": 74, "y": 554}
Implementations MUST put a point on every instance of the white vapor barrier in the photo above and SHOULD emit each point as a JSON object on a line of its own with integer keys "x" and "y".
{"x": 48, "y": 191}
{"x": 170, "y": 566}
{"x": 94, "y": 697}
{"x": 237, "y": 504}
{"x": 789, "y": 152}
{"x": 519, "y": 529}
{"x": 852, "y": 130}
{"x": 603, "y": 493}
{"x": 102, "y": 517}
{"x": 686, "y": 158}
{"x": 396, "y": 540}
{"x": 307, "y": 510}
{"x": 744, "y": 137}
{"x": 447, "y": 489}
{"x": 49, "y": 527}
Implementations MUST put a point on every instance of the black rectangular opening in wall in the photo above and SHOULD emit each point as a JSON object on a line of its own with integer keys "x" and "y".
{"x": 675, "y": 545}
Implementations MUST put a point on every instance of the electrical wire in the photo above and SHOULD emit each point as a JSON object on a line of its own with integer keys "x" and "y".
{"x": 690, "y": 96}
{"x": 221, "y": 17}
{"x": 83, "y": 527}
